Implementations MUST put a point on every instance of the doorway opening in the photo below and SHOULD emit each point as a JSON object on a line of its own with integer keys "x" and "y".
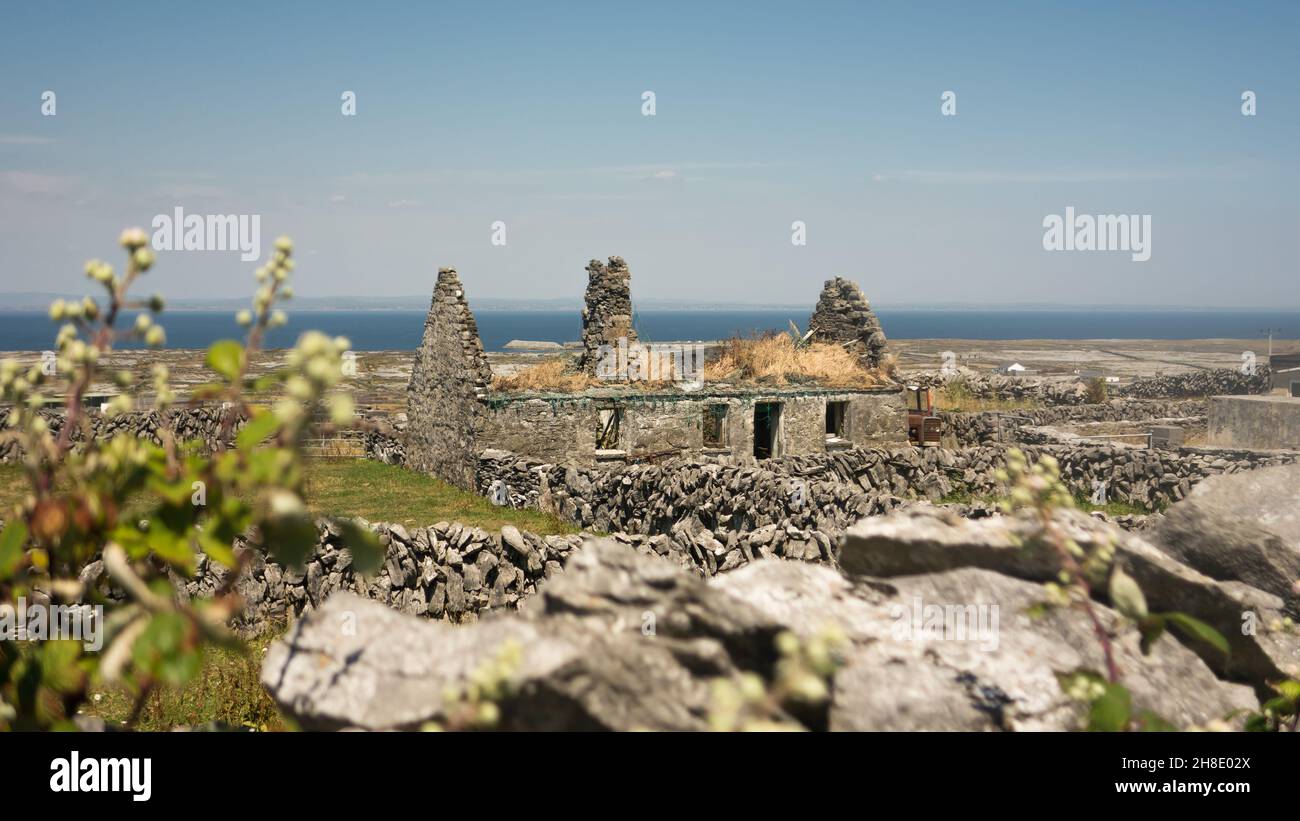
{"x": 767, "y": 430}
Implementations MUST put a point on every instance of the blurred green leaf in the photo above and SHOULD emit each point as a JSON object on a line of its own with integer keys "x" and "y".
{"x": 215, "y": 548}
{"x": 1151, "y": 629}
{"x": 1149, "y": 722}
{"x": 257, "y": 430}
{"x": 290, "y": 539}
{"x": 1197, "y": 629}
{"x": 165, "y": 649}
{"x": 226, "y": 357}
{"x": 59, "y": 669}
{"x": 12, "y": 540}
{"x": 367, "y": 554}
{"x": 1289, "y": 689}
{"x": 1111, "y": 712}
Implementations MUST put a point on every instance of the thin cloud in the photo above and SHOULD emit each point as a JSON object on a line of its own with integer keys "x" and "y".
{"x": 642, "y": 171}
{"x": 33, "y": 182}
{"x": 984, "y": 177}
{"x": 24, "y": 139}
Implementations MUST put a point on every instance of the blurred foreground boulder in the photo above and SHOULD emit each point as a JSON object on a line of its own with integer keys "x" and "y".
{"x": 622, "y": 640}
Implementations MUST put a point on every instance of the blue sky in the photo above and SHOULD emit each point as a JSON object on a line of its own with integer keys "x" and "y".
{"x": 530, "y": 114}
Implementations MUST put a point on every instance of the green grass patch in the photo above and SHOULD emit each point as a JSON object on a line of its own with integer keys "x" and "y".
{"x": 386, "y": 493}
{"x": 957, "y": 396}
{"x": 1112, "y": 508}
{"x": 227, "y": 691}
{"x": 372, "y": 490}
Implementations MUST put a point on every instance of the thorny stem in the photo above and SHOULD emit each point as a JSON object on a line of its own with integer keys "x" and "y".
{"x": 1071, "y": 567}
{"x": 146, "y": 688}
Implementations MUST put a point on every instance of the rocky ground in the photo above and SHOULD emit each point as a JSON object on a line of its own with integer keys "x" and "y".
{"x": 621, "y": 638}
{"x": 1124, "y": 358}
{"x": 381, "y": 376}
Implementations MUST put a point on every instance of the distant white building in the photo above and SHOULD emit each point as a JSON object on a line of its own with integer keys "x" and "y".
{"x": 1014, "y": 369}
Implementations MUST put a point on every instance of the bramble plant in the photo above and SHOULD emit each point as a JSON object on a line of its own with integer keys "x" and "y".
{"x": 1038, "y": 491}
{"x": 199, "y": 502}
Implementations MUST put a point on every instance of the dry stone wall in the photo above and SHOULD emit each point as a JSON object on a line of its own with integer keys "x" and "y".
{"x": 828, "y": 492}
{"x": 201, "y": 423}
{"x": 447, "y": 571}
{"x": 986, "y": 427}
{"x": 1074, "y": 391}
{"x": 452, "y": 572}
{"x": 1217, "y": 382}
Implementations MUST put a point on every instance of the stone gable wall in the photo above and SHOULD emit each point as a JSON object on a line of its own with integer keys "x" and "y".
{"x": 844, "y": 315}
{"x": 449, "y": 381}
{"x": 607, "y": 310}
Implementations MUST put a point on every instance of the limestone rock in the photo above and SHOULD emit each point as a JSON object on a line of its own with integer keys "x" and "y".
{"x": 928, "y": 541}
{"x": 589, "y": 661}
{"x": 1239, "y": 527}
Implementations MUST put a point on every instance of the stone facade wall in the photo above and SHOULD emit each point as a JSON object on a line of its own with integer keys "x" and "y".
{"x": 201, "y": 423}
{"x": 607, "y": 311}
{"x": 1254, "y": 421}
{"x": 449, "y": 381}
{"x": 563, "y": 429}
{"x": 844, "y": 315}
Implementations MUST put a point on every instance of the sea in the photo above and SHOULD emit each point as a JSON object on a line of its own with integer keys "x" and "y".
{"x": 399, "y": 329}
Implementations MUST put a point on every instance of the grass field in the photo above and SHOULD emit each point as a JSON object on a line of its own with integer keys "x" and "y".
{"x": 958, "y": 398}
{"x": 373, "y": 491}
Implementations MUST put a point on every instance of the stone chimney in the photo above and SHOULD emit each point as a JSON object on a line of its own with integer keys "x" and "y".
{"x": 607, "y": 315}
{"x": 449, "y": 379}
{"x": 843, "y": 315}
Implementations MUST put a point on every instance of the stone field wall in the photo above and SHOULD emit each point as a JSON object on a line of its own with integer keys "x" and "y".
{"x": 452, "y": 572}
{"x": 201, "y": 423}
{"x": 829, "y": 492}
{"x": 1060, "y": 391}
{"x": 986, "y": 427}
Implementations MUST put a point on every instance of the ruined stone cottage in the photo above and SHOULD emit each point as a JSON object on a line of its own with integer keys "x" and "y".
{"x": 455, "y": 415}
